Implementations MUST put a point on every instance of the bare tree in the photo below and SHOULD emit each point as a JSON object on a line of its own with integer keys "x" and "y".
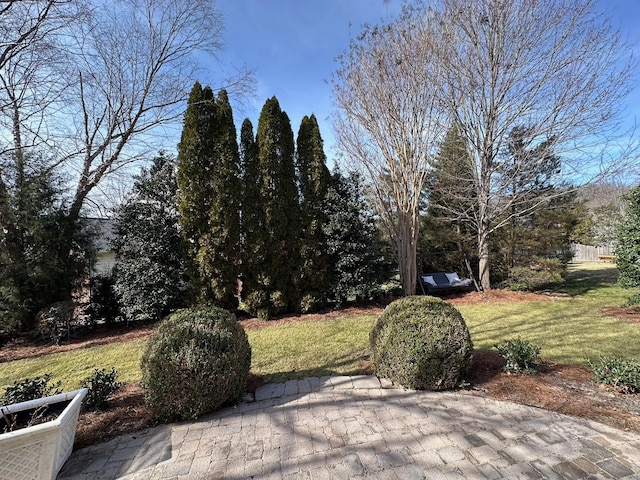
{"x": 25, "y": 22}
{"x": 553, "y": 70}
{"x": 30, "y": 32}
{"x": 135, "y": 66}
{"x": 87, "y": 87}
{"x": 97, "y": 88}
{"x": 554, "y": 67}
{"x": 390, "y": 123}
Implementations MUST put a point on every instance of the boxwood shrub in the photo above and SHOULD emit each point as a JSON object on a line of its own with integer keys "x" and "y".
{"x": 422, "y": 343}
{"x": 196, "y": 361}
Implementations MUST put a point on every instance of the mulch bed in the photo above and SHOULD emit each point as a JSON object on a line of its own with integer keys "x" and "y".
{"x": 628, "y": 314}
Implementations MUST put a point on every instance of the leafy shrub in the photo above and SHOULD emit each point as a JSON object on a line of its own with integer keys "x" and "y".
{"x": 311, "y": 302}
{"x": 256, "y": 303}
{"x": 56, "y": 322}
{"x": 101, "y": 384}
{"x": 196, "y": 361}
{"x": 541, "y": 274}
{"x": 520, "y": 355}
{"x": 628, "y": 241}
{"x": 421, "y": 343}
{"x": 13, "y": 311}
{"x": 30, "y": 389}
{"x": 264, "y": 304}
{"x": 620, "y": 374}
{"x": 104, "y": 305}
{"x": 633, "y": 301}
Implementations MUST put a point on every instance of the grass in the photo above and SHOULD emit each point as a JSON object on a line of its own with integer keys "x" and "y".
{"x": 332, "y": 347}
{"x": 73, "y": 366}
{"x": 569, "y": 329}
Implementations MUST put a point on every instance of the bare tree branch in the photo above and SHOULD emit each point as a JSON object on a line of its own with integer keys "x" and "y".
{"x": 125, "y": 97}
{"x": 390, "y": 123}
{"x": 554, "y": 67}
{"x": 94, "y": 83}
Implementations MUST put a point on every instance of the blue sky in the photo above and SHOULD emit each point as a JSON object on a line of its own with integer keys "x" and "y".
{"x": 292, "y": 46}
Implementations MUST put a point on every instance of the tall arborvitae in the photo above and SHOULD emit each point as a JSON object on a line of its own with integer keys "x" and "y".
{"x": 254, "y": 239}
{"x": 313, "y": 180}
{"x": 220, "y": 247}
{"x": 194, "y": 161}
{"x": 275, "y": 282}
{"x": 209, "y": 195}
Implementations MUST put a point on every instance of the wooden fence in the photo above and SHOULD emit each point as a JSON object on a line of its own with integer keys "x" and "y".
{"x": 592, "y": 253}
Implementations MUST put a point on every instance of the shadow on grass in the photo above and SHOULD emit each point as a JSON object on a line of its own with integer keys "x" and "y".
{"x": 583, "y": 279}
{"x": 486, "y": 365}
{"x": 335, "y": 368}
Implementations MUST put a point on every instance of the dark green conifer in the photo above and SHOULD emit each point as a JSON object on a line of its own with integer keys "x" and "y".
{"x": 150, "y": 271}
{"x": 276, "y": 284}
{"x": 209, "y": 195}
{"x": 220, "y": 246}
{"x": 254, "y": 239}
{"x": 359, "y": 264}
{"x": 313, "y": 179}
{"x": 448, "y": 236}
{"x": 194, "y": 161}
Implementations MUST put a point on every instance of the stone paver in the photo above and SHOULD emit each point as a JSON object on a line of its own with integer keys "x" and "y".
{"x": 356, "y": 427}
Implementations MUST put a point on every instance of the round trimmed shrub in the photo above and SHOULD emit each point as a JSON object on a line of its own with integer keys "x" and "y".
{"x": 196, "y": 361}
{"x": 421, "y": 343}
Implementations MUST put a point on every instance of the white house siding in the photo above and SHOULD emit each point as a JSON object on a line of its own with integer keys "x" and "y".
{"x": 105, "y": 261}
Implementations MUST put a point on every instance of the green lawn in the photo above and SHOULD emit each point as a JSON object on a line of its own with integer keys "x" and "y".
{"x": 71, "y": 367}
{"x": 569, "y": 329}
{"x": 333, "y": 347}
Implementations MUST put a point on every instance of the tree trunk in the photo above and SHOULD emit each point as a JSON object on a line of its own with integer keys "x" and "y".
{"x": 483, "y": 264}
{"x": 407, "y": 253}
{"x": 483, "y": 248}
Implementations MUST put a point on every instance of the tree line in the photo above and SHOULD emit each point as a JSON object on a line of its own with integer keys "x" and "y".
{"x": 262, "y": 224}
{"x": 536, "y": 245}
{"x": 535, "y": 89}
{"x": 85, "y": 89}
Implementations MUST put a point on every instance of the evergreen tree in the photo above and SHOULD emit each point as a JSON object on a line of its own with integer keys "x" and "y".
{"x": 150, "y": 271}
{"x": 209, "y": 195}
{"x": 36, "y": 268}
{"x": 220, "y": 247}
{"x": 254, "y": 241}
{"x": 525, "y": 233}
{"x": 359, "y": 264}
{"x": 194, "y": 165}
{"x": 274, "y": 284}
{"x": 628, "y": 242}
{"x": 314, "y": 180}
{"x": 447, "y": 237}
